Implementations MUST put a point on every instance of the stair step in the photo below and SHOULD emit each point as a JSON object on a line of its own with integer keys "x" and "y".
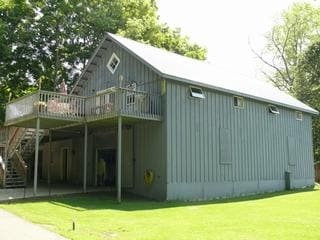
{"x": 15, "y": 186}
{"x": 14, "y": 182}
{"x": 24, "y": 143}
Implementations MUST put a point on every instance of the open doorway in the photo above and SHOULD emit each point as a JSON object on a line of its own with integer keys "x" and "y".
{"x": 106, "y": 163}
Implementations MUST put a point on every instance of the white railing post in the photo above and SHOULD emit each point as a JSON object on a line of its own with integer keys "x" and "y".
{"x": 119, "y": 150}
{"x": 36, "y": 159}
{"x": 85, "y": 156}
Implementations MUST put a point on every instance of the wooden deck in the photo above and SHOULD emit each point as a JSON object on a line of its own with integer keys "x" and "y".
{"x": 58, "y": 110}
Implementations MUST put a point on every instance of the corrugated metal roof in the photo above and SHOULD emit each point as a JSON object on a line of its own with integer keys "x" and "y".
{"x": 177, "y": 67}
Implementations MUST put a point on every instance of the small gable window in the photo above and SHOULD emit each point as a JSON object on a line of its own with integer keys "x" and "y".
{"x": 299, "y": 115}
{"x": 273, "y": 109}
{"x": 113, "y": 63}
{"x": 238, "y": 102}
{"x": 196, "y": 92}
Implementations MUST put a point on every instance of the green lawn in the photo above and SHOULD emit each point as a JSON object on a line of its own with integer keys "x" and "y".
{"x": 286, "y": 215}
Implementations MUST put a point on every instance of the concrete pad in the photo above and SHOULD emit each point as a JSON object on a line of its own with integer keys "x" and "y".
{"x": 44, "y": 191}
{"x": 16, "y": 228}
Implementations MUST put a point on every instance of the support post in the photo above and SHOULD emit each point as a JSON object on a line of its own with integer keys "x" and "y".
{"x": 6, "y": 155}
{"x": 50, "y": 161}
{"x": 36, "y": 159}
{"x": 119, "y": 159}
{"x": 85, "y": 155}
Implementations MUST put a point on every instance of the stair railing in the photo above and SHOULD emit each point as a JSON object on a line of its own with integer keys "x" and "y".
{"x": 2, "y": 170}
{"x": 15, "y": 137}
{"x": 20, "y": 165}
{"x": 30, "y": 143}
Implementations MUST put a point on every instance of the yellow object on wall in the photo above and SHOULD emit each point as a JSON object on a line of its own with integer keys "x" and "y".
{"x": 148, "y": 177}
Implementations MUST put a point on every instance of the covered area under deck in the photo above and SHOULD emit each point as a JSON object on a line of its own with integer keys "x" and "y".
{"x": 36, "y": 111}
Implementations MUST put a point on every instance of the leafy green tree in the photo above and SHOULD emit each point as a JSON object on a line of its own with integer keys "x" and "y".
{"x": 297, "y": 28}
{"x": 49, "y": 41}
{"x": 16, "y": 55}
{"x": 307, "y": 88}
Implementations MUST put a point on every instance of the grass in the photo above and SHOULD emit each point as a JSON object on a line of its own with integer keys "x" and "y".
{"x": 285, "y": 215}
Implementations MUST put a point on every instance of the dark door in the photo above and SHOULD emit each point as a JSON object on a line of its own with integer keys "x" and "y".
{"x": 106, "y": 167}
{"x": 65, "y": 164}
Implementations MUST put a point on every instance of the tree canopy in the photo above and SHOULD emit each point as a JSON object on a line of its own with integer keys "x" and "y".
{"x": 307, "y": 88}
{"x": 292, "y": 33}
{"x": 50, "y": 40}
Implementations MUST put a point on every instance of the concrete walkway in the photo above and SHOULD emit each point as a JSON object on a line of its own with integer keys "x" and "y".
{"x": 43, "y": 191}
{"x": 15, "y": 228}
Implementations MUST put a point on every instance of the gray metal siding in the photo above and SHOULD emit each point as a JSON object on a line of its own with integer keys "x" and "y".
{"x": 56, "y": 166}
{"x": 129, "y": 67}
{"x": 149, "y": 151}
{"x": 258, "y": 149}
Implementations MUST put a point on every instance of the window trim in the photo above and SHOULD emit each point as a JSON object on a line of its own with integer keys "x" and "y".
{"x": 273, "y": 111}
{"x": 239, "y": 98}
{"x": 111, "y": 69}
{"x": 297, "y": 113}
{"x": 196, "y": 94}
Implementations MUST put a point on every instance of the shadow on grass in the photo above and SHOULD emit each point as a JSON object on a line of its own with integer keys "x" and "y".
{"x": 130, "y": 202}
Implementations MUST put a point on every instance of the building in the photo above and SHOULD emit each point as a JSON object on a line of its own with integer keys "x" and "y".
{"x": 160, "y": 125}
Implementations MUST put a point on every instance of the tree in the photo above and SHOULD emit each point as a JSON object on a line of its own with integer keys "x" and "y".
{"x": 15, "y": 48}
{"x": 307, "y": 88}
{"x": 51, "y": 41}
{"x": 297, "y": 28}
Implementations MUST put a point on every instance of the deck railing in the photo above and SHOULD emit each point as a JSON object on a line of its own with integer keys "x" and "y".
{"x": 21, "y": 107}
{"x": 60, "y": 105}
{"x": 138, "y": 103}
{"x": 102, "y": 104}
{"x": 44, "y": 103}
{"x": 110, "y": 102}
{"x": 125, "y": 102}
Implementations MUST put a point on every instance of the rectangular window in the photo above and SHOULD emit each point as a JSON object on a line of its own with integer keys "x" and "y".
{"x": 299, "y": 115}
{"x": 196, "y": 92}
{"x": 113, "y": 63}
{"x": 238, "y": 102}
{"x": 273, "y": 109}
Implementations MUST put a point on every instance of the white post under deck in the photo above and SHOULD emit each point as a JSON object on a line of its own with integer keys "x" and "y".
{"x": 85, "y": 158}
{"x": 119, "y": 159}
{"x": 50, "y": 161}
{"x": 36, "y": 159}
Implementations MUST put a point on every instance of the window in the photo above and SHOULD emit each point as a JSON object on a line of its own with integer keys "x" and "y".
{"x": 273, "y": 109}
{"x": 299, "y": 115}
{"x": 196, "y": 92}
{"x": 238, "y": 102}
{"x": 113, "y": 63}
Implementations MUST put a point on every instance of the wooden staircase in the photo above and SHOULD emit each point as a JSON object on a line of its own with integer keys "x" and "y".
{"x": 20, "y": 147}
